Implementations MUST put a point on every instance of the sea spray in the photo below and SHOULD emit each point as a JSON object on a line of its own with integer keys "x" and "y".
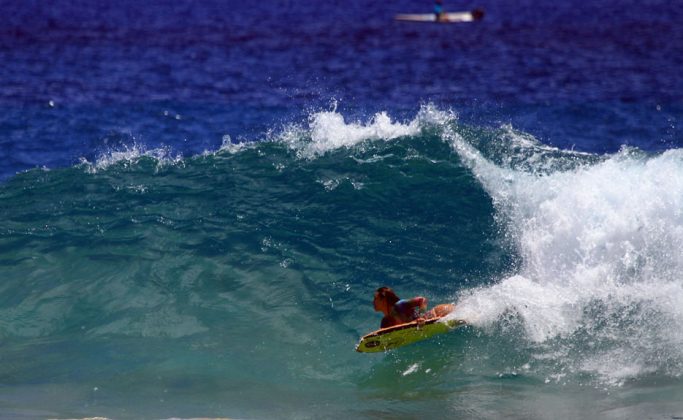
{"x": 327, "y": 131}
{"x": 600, "y": 259}
{"x": 128, "y": 155}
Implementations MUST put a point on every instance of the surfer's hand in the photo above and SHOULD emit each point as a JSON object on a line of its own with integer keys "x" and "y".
{"x": 420, "y": 321}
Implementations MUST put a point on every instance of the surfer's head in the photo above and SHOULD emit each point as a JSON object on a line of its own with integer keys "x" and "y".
{"x": 384, "y": 299}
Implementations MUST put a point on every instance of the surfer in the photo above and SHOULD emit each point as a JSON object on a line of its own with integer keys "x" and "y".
{"x": 400, "y": 311}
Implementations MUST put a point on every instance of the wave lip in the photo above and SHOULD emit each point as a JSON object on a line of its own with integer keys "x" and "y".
{"x": 325, "y": 131}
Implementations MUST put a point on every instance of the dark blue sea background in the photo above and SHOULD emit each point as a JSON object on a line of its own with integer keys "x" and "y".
{"x": 198, "y": 199}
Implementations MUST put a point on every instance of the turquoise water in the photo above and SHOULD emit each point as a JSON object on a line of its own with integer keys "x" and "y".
{"x": 236, "y": 283}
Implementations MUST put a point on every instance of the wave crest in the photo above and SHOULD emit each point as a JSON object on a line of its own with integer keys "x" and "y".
{"x": 328, "y": 130}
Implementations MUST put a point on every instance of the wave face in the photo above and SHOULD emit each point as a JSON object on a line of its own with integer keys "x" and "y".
{"x": 141, "y": 283}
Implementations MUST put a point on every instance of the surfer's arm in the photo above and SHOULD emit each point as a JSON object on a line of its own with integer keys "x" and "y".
{"x": 419, "y": 302}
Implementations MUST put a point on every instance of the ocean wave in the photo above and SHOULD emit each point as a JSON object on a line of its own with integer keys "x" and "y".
{"x": 577, "y": 251}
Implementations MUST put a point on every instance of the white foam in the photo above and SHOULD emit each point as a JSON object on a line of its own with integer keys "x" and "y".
{"x": 608, "y": 233}
{"x": 411, "y": 369}
{"x": 329, "y": 130}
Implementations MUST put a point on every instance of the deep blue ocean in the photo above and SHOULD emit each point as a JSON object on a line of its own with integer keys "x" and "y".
{"x": 198, "y": 200}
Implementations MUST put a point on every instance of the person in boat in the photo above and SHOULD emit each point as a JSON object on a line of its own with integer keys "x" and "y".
{"x": 438, "y": 10}
{"x": 477, "y": 14}
{"x": 400, "y": 311}
{"x": 441, "y": 16}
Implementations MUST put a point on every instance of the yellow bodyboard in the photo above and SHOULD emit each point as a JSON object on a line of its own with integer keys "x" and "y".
{"x": 404, "y": 334}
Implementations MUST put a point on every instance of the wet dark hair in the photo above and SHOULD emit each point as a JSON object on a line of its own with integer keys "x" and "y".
{"x": 388, "y": 294}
